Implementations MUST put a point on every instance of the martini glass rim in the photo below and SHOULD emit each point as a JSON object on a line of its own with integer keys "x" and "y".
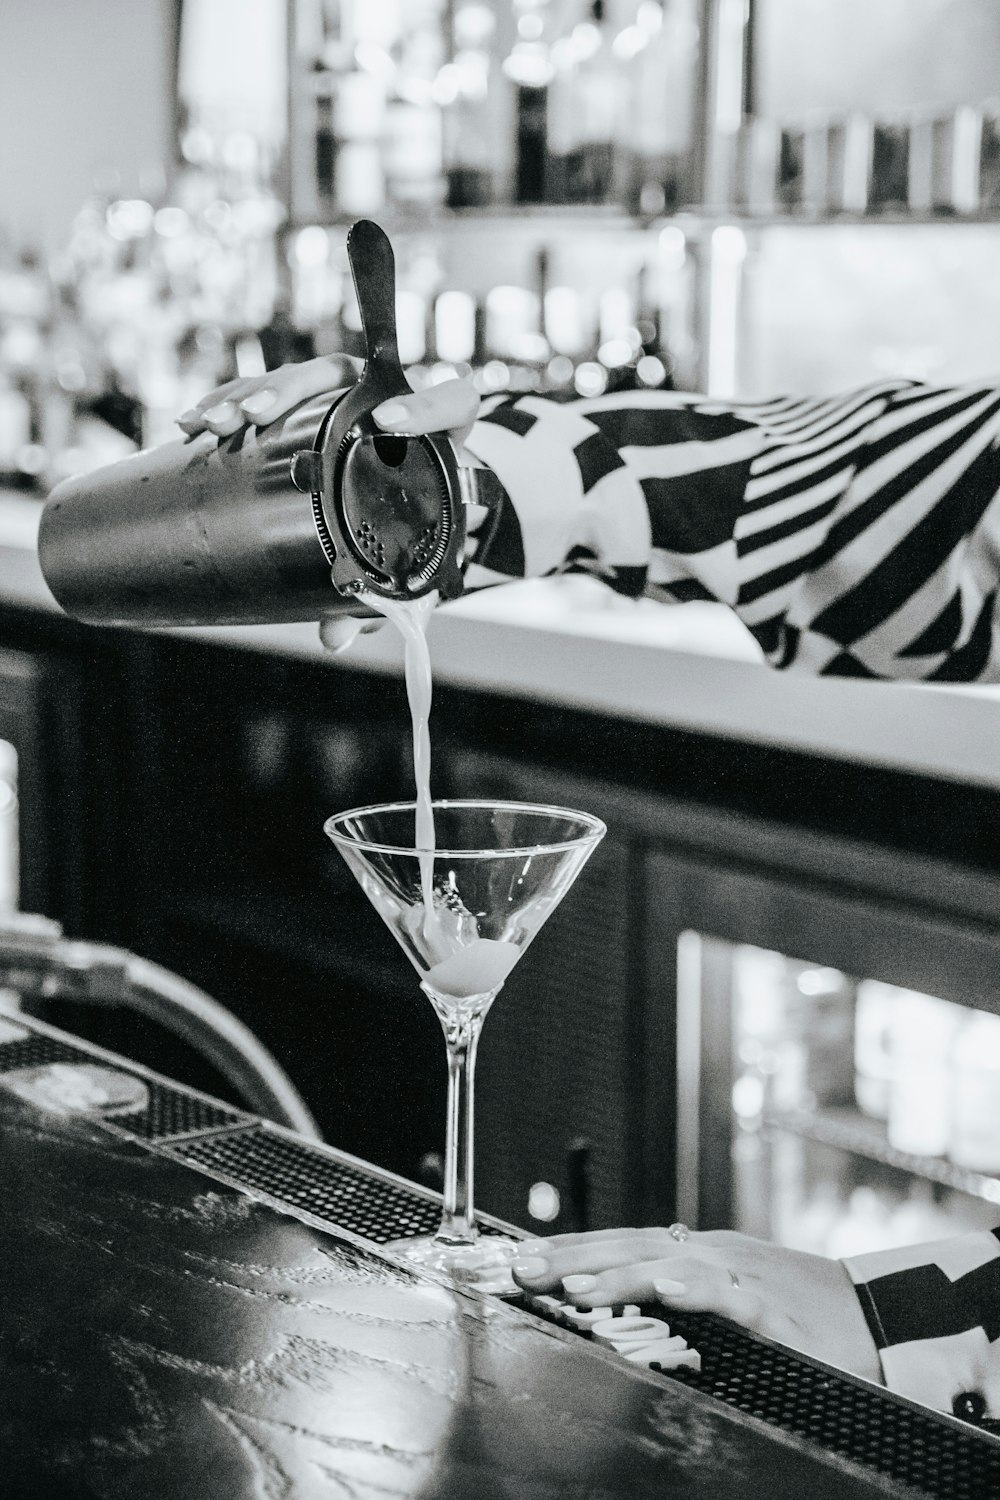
{"x": 595, "y": 828}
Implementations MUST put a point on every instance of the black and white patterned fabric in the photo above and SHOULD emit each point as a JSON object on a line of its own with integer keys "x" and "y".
{"x": 934, "y": 1313}
{"x": 856, "y": 535}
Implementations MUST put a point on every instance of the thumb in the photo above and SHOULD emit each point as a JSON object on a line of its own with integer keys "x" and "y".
{"x": 338, "y": 632}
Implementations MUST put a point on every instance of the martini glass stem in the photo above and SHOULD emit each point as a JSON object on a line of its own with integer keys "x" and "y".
{"x": 458, "y": 1219}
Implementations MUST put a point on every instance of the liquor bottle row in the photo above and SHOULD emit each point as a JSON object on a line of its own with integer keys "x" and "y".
{"x": 812, "y": 1039}
{"x": 903, "y": 1090}
{"x": 493, "y": 102}
{"x": 523, "y": 101}
{"x": 929, "y": 163}
{"x": 532, "y": 335}
{"x": 150, "y": 304}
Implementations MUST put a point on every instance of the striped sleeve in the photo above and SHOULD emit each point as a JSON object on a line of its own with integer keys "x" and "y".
{"x": 934, "y": 1313}
{"x": 856, "y": 535}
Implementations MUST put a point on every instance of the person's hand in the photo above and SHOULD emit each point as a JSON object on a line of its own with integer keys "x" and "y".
{"x": 450, "y": 407}
{"x": 257, "y": 400}
{"x": 804, "y": 1301}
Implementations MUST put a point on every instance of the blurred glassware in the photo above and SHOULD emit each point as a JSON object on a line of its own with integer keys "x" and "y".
{"x": 944, "y": 167}
{"x": 659, "y": 54}
{"x": 757, "y": 158}
{"x": 920, "y": 1094}
{"x": 975, "y": 1125}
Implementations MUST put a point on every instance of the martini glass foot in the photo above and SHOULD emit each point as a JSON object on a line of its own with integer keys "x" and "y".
{"x": 483, "y": 1265}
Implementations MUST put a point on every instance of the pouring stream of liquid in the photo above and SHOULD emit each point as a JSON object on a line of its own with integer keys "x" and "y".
{"x": 463, "y": 964}
{"x": 410, "y": 618}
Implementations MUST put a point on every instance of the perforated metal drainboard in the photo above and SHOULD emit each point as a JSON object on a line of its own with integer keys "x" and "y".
{"x": 932, "y": 1454}
{"x": 170, "y": 1112}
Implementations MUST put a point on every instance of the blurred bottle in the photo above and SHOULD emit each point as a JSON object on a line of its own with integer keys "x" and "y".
{"x": 652, "y": 362}
{"x": 989, "y": 156}
{"x": 282, "y": 341}
{"x": 528, "y": 65}
{"x": 567, "y": 322}
{"x": 791, "y": 167}
{"x": 348, "y": 84}
{"x": 944, "y": 162}
{"x": 10, "y": 871}
{"x": 875, "y": 1018}
{"x": 618, "y": 336}
{"x": 954, "y": 160}
{"x": 476, "y": 100}
{"x": 975, "y": 1126}
{"x": 531, "y": 128}
{"x": 412, "y": 318}
{"x": 766, "y": 1044}
{"x": 413, "y": 154}
{"x": 661, "y": 53}
{"x": 25, "y": 316}
{"x": 15, "y": 432}
{"x": 455, "y": 328}
{"x": 890, "y": 164}
{"x": 561, "y": 127}
{"x": 821, "y": 1003}
{"x": 323, "y": 87}
{"x": 359, "y": 122}
{"x": 586, "y": 113}
{"x": 849, "y": 158}
{"x": 361, "y": 107}
{"x": 316, "y": 292}
{"x": 758, "y": 152}
{"x": 514, "y": 338}
{"x": 920, "y": 1096}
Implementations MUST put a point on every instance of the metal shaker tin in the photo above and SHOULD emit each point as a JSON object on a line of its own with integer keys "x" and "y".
{"x": 286, "y": 522}
{"x": 191, "y": 533}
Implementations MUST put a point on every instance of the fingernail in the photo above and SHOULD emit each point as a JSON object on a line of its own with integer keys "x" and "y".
{"x": 530, "y": 1270}
{"x": 224, "y": 412}
{"x": 258, "y": 402}
{"x": 194, "y": 415}
{"x": 576, "y": 1284}
{"x": 667, "y": 1288}
{"x": 392, "y": 413}
{"x": 531, "y": 1248}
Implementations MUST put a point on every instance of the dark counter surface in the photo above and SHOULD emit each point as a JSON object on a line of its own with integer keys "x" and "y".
{"x": 162, "y": 1334}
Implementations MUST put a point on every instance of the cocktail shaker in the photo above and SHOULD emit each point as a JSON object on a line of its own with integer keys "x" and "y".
{"x": 287, "y": 522}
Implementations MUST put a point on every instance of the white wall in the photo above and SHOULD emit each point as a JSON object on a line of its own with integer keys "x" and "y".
{"x": 876, "y": 55}
{"x": 84, "y": 85}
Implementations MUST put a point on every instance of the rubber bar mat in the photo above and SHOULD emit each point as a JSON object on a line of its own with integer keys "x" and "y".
{"x": 344, "y": 1195}
{"x": 169, "y": 1111}
{"x": 935, "y": 1455}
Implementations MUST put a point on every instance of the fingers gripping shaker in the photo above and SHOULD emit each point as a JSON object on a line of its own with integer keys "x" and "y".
{"x": 287, "y": 522}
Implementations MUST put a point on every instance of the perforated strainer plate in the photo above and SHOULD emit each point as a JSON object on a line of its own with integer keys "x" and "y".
{"x": 396, "y": 516}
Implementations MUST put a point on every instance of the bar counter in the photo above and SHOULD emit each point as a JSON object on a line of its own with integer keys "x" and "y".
{"x": 570, "y": 643}
{"x": 168, "y": 1330}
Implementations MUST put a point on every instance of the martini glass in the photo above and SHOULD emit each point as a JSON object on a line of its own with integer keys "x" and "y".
{"x": 463, "y": 913}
